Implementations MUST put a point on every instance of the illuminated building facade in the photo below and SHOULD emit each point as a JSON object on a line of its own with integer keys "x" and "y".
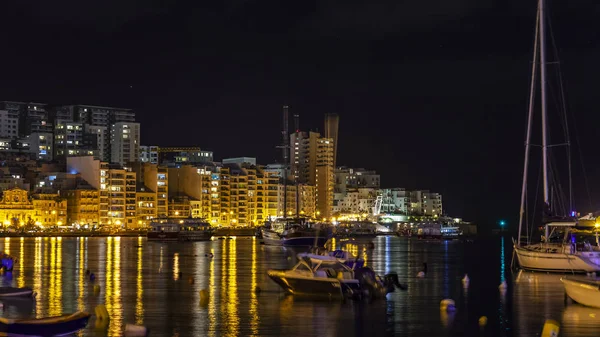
{"x": 15, "y": 208}
{"x": 125, "y": 142}
{"x": 116, "y": 186}
{"x": 83, "y": 206}
{"x": 50, "y": 210}
{"x": 146, "y": 205}
{"x": 306, "y": 206}
{"x": 312, "y": 160}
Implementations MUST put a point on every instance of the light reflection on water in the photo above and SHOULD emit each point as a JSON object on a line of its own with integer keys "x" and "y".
{"x": 141, "y": 284}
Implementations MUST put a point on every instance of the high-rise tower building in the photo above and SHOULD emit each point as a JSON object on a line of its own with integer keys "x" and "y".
{"x": 125, "y": 142}
{"x": 312, "y": 162}
{"x": 332, "y": 123}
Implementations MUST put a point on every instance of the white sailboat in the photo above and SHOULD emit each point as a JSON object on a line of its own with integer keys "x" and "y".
{"x": 545, "y": 256}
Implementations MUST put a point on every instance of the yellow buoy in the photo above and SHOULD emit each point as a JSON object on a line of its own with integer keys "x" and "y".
{"x": 203, "y": 294}
{"x": 551, "y": 328}
{"x": 101, "y": 313}
{"x": 203, "y": 297}
{"x": 96, "y": 289}
{"x": 482, "y": 321}
{"x": 102, "y": 318}
{"x": 447, "y": 305}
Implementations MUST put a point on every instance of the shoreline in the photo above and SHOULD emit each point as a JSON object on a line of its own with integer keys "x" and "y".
{"x": 217, "y": 233}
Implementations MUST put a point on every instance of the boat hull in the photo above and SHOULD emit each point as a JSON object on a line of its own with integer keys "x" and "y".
{"x": 166, "y": 236}
{"x": 50, "y": 326}
{"x": 314, "y": 286}
{"x": 179, "y": 236}
{"x": 15, "y": 292}
{"x": 271, "y": 238}
{"x": 555, "y": 262}
{"x": 304, "y": 241}
{"x": 586, "y": 292}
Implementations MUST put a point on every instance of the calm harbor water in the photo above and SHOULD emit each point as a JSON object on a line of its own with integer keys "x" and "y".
{"x": 158, "y": 285}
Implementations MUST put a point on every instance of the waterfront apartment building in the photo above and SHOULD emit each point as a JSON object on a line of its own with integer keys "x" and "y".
{"x": 395, "y": 200}
{"x": 33, "y": 117}
{"x": 116, "y": 186}
{"x": 155, "y": 178}
{"x": 312, "y": 163}
{"x": 235, "y": 194}
{"x": 125, "y": 142}
{"x": 346, "y": 177}
{"x": 300, "y": 201}
{"x": 356, "y": 201}
{"x": 83, "y": 206}
{"x": 426, "y": 203}
{"x": 146, "y": 205}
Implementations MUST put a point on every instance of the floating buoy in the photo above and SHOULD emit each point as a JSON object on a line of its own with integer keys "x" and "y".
{"x": 96, "y": 289}
{"x": 465, "y": 281}
{"x": 102, "y": 318}
{"x": 191, "y": 280}
{"x": 447, "y": 305}
{"x": 135, "y": 330}
{"x": 551, "y": 328}
{"x": 203, "y": 297}
{"x": 92, "y": 277}
{"x": 482, "y": 321}
{"x": 503, "y": 285}
{"x": 203, "y": 294}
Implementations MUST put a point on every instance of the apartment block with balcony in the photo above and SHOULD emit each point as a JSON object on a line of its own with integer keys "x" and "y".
{"x": 155, "y": 178}
{"x": 83, "y": 206}
{"x": 312, "y": 160}
{"x": 303, "y": 194}
{"x": 146, "y": 205}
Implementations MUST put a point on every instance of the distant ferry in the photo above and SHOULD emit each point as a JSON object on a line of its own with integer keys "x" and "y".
{"x": 180, "y": 230}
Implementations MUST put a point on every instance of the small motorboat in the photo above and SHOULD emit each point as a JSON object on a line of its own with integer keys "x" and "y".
{"x": 48, "y": 326}
{"x": 326, "y": 276}
{"x": 343, "y": 256}
{"x": 583, "y": 291}
{"x": 16, "y": 292}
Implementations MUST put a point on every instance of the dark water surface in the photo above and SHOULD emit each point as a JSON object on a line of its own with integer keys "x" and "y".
{"x": 141, "y": 284}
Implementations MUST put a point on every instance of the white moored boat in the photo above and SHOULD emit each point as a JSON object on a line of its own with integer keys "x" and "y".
{"x": 559, "y": 257}
{"x": 568, "y": 255}
{"x": 583, "y": 291}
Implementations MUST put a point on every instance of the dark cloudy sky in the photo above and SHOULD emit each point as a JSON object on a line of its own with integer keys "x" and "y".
{"x": 432, "y": 94}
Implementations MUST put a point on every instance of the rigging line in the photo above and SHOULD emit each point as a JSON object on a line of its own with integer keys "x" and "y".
{"x": 566, "y": 124}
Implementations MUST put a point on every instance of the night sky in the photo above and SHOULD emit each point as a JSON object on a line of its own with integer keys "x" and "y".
{"x": 431, "y": 94}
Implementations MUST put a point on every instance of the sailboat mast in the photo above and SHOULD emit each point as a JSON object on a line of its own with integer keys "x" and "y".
{"x": 544, "y": 112}
{"x": 529, "y": 122}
